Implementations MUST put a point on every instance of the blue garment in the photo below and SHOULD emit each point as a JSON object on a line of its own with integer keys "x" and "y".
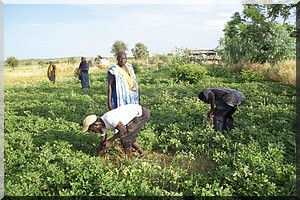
{"x": 84, "y": 78}
{"x": 84, "y": 66}
{"x": 125, "y": 90}
{"x": 84, "y": 74}
{"x": 223, "y": 119}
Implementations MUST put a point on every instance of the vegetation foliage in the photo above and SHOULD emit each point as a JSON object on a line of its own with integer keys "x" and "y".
{"x": 12, "y": 62}
{"x": 256, "y": 36}
{"x": 140, "y": 51}
{"x": 46, "y": 153}
{"x": 118, "y": 46}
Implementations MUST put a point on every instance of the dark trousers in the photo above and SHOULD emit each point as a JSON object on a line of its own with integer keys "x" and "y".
{"x": 52, "y": 76}
{"x": 84, "y": 78}
{"x": 223, "y": 119}
{"x": 134, "y": 126}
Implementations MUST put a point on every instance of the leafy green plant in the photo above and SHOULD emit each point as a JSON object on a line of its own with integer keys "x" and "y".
{"x": 136, "y": 67}
{"x": 255, "y": 36}
{"x": 250, "y": 75}
{"x": 46, "y": 153}
{"x": 192, "y": 73}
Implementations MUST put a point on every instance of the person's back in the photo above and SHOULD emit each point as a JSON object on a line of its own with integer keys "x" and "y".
{"x": 234, "y": 97}
{"x": 124, "y": 114}
{"x": 231, "y": 96}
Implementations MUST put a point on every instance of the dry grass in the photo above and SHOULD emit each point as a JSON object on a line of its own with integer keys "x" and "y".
{"x": 23, "y": 75}
{"x": 284, "y": 72}
{"x": 35, "y": 73}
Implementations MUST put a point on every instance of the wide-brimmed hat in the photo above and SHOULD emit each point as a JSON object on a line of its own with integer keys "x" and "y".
{"x": 88, "y": 120}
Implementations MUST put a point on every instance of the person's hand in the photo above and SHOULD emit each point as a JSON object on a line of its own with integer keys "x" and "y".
{"x": 100, "y": 153}
{"x": 210, "y": 113}
{"x": 106, "y": 145}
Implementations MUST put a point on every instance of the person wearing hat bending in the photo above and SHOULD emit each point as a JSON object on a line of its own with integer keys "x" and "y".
{"x": 223, "y": 103}
{"x": 127, "y": 119}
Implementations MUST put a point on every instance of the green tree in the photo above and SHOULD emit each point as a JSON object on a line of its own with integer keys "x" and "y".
{"x": 280, "y": 10}
{"x": 140, "y": 51}
{"x": 255, "y": 37}
{"x": 118, "y": 46}
{"x": 12, "y": 61}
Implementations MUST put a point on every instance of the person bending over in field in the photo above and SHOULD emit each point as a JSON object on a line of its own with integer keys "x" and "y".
{"x": 223, "y": 103}
{"x": 127, "y": 119}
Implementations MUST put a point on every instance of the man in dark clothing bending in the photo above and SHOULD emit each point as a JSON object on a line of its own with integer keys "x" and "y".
{"x": 223, "y": 103}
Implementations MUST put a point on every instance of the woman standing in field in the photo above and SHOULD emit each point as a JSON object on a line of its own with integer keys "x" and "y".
{"x": 51, "y": 72}
{"x": 122, "y": 84}
{"x": 84, "y": 73}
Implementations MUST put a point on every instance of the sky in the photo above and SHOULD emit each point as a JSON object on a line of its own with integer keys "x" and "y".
{"x": 67, "y": 30}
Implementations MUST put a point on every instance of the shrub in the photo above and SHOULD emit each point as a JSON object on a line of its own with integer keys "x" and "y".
{"x": 136, "y": 67}
{"x": 251, "y": 75}
{"x": 12, "y": 62}
{"x": 192, "y": 73}
{"x": 221, "y": 71}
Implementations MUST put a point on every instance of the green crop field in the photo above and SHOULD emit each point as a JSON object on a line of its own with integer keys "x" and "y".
{"x": 46, "y": 153}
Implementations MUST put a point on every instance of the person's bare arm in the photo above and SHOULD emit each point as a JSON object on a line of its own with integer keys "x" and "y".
{"x": 121, "y": 131}
{"x": 110, "y": 85}
{"x": 100, "y": 149}
{"x": 211, "y": 99}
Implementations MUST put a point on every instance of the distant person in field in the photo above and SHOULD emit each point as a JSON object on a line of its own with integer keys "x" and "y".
{"x": 51, "y": 72}
{"x": 122, "y": 83}
{"x": 223, "y": 103}
{"x": 84, "y": 73}
{"x": 127, "y": 119}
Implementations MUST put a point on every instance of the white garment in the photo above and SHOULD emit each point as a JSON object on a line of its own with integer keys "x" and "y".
{"x": 123, "y": 114}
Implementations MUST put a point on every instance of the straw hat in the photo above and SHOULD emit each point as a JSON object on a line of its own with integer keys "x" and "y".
{"x": 90, "y": 119}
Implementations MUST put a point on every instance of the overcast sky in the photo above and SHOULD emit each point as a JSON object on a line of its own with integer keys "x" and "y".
{"x": 66, "y": 30}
